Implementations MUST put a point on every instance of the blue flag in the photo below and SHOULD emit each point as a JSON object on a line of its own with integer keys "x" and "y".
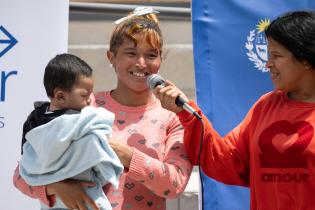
{"x": 230, "y": 54}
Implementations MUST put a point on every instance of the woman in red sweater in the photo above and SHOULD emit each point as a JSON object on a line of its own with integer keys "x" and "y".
{"x": 272, "y": 151}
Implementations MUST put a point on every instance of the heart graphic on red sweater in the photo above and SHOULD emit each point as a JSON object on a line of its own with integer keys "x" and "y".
{"x": 282, "y": 144}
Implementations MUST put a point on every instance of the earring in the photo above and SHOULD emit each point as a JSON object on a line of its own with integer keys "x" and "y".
{"x": 111, "y": 65}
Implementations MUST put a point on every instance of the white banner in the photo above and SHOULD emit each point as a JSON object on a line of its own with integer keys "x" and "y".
{"x": 31, "y": 33}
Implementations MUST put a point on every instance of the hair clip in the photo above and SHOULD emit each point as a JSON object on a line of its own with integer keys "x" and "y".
{"x": 138, "y": 11}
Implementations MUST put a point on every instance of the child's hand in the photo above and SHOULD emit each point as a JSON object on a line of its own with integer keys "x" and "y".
{"x": 72, "y": 194}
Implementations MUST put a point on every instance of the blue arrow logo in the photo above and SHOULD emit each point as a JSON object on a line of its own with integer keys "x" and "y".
{"x": 10, "y": 41}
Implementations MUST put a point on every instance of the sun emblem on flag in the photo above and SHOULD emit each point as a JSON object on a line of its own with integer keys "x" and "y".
{"x": 256, "y": 45}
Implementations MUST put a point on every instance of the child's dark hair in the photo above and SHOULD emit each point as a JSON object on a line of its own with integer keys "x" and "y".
{"x": 63, "y": 71}
{"x": 296, "y": 32}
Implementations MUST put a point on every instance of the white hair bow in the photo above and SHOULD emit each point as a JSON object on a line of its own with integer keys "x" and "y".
{"x": 138, "y": 11}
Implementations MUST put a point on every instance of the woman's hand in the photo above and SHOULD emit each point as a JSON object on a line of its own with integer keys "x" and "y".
{"x": 123, "y": 151}
{"x": 72, "y": 194}
{"x": 167, "y": 96}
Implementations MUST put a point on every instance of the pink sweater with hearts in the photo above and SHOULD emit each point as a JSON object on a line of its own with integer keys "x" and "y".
{"x": 272, "y": 151}
{"x": 159, "y": 168}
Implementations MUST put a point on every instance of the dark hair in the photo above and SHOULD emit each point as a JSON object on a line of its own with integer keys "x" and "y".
{"x": 147, "y": 25}
{"x": 296, "y": 32}
{"x": 63, "y": 71}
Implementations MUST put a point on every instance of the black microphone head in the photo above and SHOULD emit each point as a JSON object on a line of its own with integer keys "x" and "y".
{"x": 155, "y": 80}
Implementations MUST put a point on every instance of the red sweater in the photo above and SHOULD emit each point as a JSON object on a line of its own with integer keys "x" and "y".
{"x": 272, "y": 151}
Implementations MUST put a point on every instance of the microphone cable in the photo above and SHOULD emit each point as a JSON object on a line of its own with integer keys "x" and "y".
{"x": 199, "y": 165}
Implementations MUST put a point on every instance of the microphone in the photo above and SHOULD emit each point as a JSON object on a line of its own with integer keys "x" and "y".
{"x": 155, "y": 80}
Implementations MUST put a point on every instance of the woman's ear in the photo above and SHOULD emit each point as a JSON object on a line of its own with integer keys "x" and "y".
{"x": 110, "y": 57}
{"x": 307, "y": 65}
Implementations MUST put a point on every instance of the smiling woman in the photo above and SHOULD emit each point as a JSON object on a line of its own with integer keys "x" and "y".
{"x": 133, "y": 63}
{"x": 147, "y": 138}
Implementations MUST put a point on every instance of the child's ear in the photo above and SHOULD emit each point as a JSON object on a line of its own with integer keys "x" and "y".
{"x": 59, "y": 95}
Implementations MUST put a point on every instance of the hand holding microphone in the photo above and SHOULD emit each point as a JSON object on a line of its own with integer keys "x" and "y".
{"x": 171, "y": 98}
